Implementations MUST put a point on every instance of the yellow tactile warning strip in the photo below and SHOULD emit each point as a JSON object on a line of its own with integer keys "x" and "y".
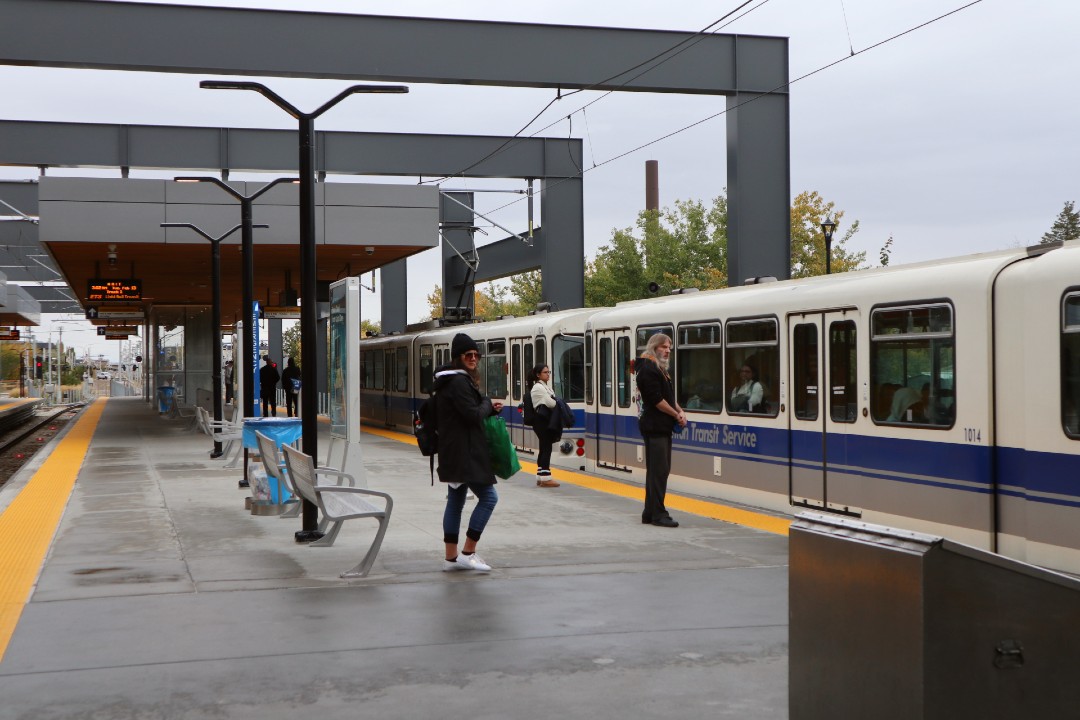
{"x": 704, "y": 508}
{"x": 29, "y": 523}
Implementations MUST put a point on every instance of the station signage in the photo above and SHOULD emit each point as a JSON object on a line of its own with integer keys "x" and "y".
{"x": 112, "y": 336}
{"x": 281, "y": 313}
{"x": 9, "y": 334}
{"x": 103, "y": 290}
{"x": 124, "y": 330}
{"x": 118, "y": 314}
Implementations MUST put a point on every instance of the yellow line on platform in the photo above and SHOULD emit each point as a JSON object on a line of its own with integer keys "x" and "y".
{"x": 29, "y": 523}
{"x": 703, "y": 508}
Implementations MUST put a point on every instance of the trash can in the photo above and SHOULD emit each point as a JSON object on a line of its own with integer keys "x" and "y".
{"x": 165, "y": 396}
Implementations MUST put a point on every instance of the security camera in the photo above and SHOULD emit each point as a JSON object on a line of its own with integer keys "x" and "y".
{"x": 111, "y": 255}
{"x": 369, "y": 250}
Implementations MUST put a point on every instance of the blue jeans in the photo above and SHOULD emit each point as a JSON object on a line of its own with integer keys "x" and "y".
{"x": 486, "y": 498}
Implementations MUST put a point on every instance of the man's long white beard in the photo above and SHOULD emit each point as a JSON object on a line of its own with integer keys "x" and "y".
{"x": 663, "y": 362}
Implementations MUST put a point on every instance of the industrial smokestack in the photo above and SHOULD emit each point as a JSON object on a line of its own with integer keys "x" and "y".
{"x": 652, "y": 185}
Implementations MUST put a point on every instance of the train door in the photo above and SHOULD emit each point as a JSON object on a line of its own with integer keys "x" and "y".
{"x": 822, "y": 377}
{"x": 521, "y": 362}
{"x": 616, "y": 424}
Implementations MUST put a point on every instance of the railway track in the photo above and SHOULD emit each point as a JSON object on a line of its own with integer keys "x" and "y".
{"x": 23, "y": 433}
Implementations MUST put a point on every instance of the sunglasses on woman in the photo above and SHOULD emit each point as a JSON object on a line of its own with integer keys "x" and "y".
{"x": 471, "y": 355}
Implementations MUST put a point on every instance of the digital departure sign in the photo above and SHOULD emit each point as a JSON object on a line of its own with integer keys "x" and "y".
{"x": 102, "y": 290}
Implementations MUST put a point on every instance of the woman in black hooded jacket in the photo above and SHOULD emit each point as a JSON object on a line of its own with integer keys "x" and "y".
{"x": 464, "y": 462}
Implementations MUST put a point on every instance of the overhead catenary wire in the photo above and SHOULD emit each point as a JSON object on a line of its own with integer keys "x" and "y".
{"x": 692, "y": 39}
{"x": 758, "y": 95}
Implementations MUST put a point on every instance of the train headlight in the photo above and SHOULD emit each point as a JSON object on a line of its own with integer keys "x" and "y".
{"x": 566, "y": 447}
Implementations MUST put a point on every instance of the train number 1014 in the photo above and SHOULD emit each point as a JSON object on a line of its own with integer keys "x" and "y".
{"x": 972, "y": 435}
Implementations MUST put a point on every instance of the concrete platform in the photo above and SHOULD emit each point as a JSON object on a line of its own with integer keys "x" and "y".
{"x": 161, "y": 597}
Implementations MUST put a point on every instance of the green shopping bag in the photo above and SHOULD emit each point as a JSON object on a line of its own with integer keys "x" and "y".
{"x": 504, "y": 460}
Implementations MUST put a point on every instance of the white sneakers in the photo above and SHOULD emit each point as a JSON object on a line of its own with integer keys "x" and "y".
{"x": 466, "y": 562}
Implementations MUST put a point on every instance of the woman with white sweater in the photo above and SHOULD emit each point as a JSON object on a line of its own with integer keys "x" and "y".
{"x": 542, "y": 396}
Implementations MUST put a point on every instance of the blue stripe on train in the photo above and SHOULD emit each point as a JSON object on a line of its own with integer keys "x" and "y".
{"x": 960, "y": 467}
{"x": 1043, "y": 472}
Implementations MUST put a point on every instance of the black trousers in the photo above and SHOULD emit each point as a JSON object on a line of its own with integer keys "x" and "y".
{"x": 544, "y": 438}
{"x": 269, "y": 402}
{"x": 657, "y": 469}
{"x": 291, "y": 399}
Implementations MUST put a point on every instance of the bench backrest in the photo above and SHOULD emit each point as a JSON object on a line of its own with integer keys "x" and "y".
{"x": 269, "y": 454}
{"x": 203, "y": 418}
{"x": 301, "y": 471}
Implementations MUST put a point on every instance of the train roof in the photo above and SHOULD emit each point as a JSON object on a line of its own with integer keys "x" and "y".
{"x": 916, "y": 281}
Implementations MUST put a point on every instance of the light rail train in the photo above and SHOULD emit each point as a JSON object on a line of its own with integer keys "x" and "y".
{"x": 941, "y": 397}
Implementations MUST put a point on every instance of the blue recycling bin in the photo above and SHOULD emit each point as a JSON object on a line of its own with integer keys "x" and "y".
{"x": 164, "y": 396}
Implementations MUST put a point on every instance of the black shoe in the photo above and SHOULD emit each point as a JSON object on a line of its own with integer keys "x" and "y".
{"x": 306, "y": 536}
{"x": 665, "y": 521}
{"x": 214, "y": 455}
{"x": 646, "y": 521}
{"x": 243, "y": 483}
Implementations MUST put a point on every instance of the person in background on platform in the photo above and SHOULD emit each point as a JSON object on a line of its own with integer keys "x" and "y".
{"x": 464, "y": 462}
{"x": 268, "y": 380}
{"x": 541, "y": 395}
{"x": 228, "y": 381}
{"x": 660, "y": 413}
{"x": 290, "y": 383}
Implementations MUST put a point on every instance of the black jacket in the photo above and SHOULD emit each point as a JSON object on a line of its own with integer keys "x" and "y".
{"x": 268, "y": 377}
{"x": 461, "y": 410}
{"x": 654, "y": 386}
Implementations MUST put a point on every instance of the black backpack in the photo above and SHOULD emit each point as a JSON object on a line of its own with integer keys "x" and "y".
{"x": 426, "y": 430}
{"x": 528, "y": 413}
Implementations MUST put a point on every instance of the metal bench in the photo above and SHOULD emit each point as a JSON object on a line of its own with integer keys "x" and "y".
{"x": 338, "y": 503}
{"x": 183, "y": 412}
{"x": 224, "y": 432}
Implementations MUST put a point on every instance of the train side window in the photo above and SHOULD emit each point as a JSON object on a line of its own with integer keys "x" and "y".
{"x": 494, "y": 362}
{"x": 378, "y": 361}
{"x": 843, "y": 397}
{"x": 701, "y": 367}
{"x": 912, "y": 365}
{"x": 366, "y": 380}
{"x": 752, "y": 345}
{"x": 541, "y": 350}
{"x": 442, "y": 356}
{"x": 622, "y": 366}
{"x": 515, "y": 372}
{"x": 804, "y": 360}
{"x": 402, "y": 370}
{"x": 588, "y": 368}
{"x": 1070, "y": 365}
{"x": 427, "y": 369}
{"x": 605, "y": 372}
{"x": 568, "y": 367}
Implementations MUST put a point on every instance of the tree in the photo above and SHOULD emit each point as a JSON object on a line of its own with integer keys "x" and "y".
{"x": 687, "y": 248}
{"x": 680, "y": 248}
{"x": 1065, "y": 227}
{"x": 290, "y": 342}
{"x": 808, "y": 242}
{"x": 527, "y": 290}
{"x": 490, "y": 302}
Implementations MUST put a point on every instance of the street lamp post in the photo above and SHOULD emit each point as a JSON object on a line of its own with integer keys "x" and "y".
{"x": 308, "y": 277}
{"x": 248, "y": 252}
{"x": 828, "y": 227}
{"x": 215, "y": 313}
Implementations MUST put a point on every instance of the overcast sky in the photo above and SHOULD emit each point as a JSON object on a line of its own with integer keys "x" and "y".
{"x": 957, "y": 137}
